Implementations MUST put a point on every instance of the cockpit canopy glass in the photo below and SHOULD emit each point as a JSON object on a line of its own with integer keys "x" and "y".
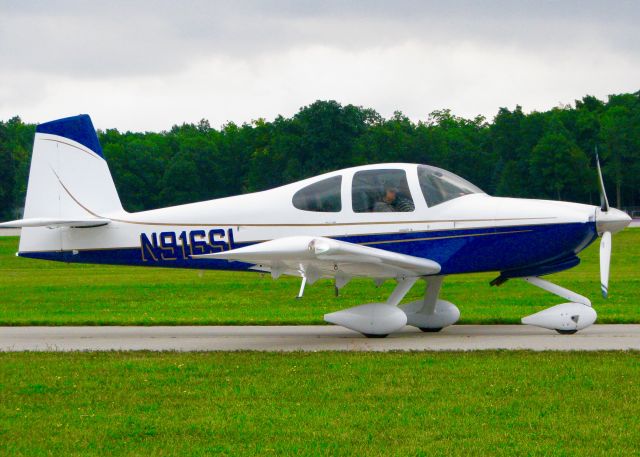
{"x": 381, "y": 191}
{"x": 439, "y": 186}
{"x": 322, "y": 196}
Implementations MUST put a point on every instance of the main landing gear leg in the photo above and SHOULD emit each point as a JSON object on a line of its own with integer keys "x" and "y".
{"x": 376, "y": 320}
{"x": 431, "y": 314}
{"x": 566, "y": 318}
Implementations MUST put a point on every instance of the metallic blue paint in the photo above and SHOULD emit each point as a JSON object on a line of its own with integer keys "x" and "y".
{"x": 493, "y": 249}
{"x": 541, "y": 270}
{"x": 541, "y": 248}
{"x": 77, "y": 128}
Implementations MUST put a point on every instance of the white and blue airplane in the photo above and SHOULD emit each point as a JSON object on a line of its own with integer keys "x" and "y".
{"x": 396, "y": 221}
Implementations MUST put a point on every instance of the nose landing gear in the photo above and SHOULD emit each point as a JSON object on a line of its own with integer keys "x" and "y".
{"x": 566, "y": 318}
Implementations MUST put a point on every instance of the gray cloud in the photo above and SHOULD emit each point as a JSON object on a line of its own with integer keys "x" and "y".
{"x": 474, "y": 55}
{"x": 122, "y": 38}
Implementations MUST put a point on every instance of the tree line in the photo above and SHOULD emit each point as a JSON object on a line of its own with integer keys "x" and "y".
{"x": 540, "y": 154}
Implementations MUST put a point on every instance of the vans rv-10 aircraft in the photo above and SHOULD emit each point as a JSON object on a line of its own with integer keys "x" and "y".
{"x": 390, "y": 221}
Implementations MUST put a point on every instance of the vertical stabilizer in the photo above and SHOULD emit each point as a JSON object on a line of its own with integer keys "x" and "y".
{"x": 69, "y": 179}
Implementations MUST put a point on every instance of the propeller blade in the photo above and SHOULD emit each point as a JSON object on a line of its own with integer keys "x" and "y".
{"x": 604, "y": 202}
{"x": 605, "y": 260}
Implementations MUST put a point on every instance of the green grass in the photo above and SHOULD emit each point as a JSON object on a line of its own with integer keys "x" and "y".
{"x": 478, "y": 403}
{"x": 40, "y": 292}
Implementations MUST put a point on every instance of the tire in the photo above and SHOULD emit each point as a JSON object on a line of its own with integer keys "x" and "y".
{"x": 373, "y": 335}
{"x": 566, "y": 332}
{"x": 430, "y": 329}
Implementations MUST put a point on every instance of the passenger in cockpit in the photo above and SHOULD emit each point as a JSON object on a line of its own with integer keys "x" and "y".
{"x": 392, "y": 201}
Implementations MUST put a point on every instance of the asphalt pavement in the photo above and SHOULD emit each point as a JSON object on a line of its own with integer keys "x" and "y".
{"x": 313, "y": 338}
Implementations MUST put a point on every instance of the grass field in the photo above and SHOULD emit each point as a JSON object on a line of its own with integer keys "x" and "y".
{"x": 479, "y": 403}
{"x": 40, "y": 292}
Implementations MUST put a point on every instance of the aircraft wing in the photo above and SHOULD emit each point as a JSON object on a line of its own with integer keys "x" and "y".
{"x": 55, "y": 223}
{"x": 316, "y": 257}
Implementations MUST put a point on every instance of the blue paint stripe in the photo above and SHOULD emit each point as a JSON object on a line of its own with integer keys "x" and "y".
{"x": 457, "y": 251}
{"x": 77, "y": 128}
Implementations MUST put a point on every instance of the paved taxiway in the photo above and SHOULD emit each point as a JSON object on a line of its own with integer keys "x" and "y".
{"x": 312, "y": 338}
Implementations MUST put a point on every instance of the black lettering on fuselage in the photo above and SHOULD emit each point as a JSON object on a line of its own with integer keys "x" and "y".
{"x": 171, "y": 246}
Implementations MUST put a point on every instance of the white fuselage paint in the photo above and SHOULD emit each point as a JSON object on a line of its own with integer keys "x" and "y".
{"x": 270, "y": 214}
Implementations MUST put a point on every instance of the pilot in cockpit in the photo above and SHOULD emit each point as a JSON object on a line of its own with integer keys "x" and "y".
{"x": 392, "y": 201}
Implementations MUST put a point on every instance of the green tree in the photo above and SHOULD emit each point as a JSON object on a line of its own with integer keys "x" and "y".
{"x": 539, "y": 154}
{"x": 621, "y": 145}
{"x": 7, "y": 176}
{"x": 512, "y": 156}
{"x": 559, "y": 167}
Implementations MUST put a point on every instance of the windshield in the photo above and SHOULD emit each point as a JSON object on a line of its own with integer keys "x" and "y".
{"x": 439, "y": 186}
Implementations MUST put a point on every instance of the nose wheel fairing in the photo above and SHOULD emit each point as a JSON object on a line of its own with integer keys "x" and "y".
{"x": 565, "y": 318}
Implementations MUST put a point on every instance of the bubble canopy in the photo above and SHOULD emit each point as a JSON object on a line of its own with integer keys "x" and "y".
{"x": 439, "y": 186}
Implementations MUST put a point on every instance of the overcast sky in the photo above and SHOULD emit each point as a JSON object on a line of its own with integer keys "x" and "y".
{"x": 146, "y": 65}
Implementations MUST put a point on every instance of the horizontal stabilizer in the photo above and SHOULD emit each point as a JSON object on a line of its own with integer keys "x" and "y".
{"x": 55, "y": 223}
